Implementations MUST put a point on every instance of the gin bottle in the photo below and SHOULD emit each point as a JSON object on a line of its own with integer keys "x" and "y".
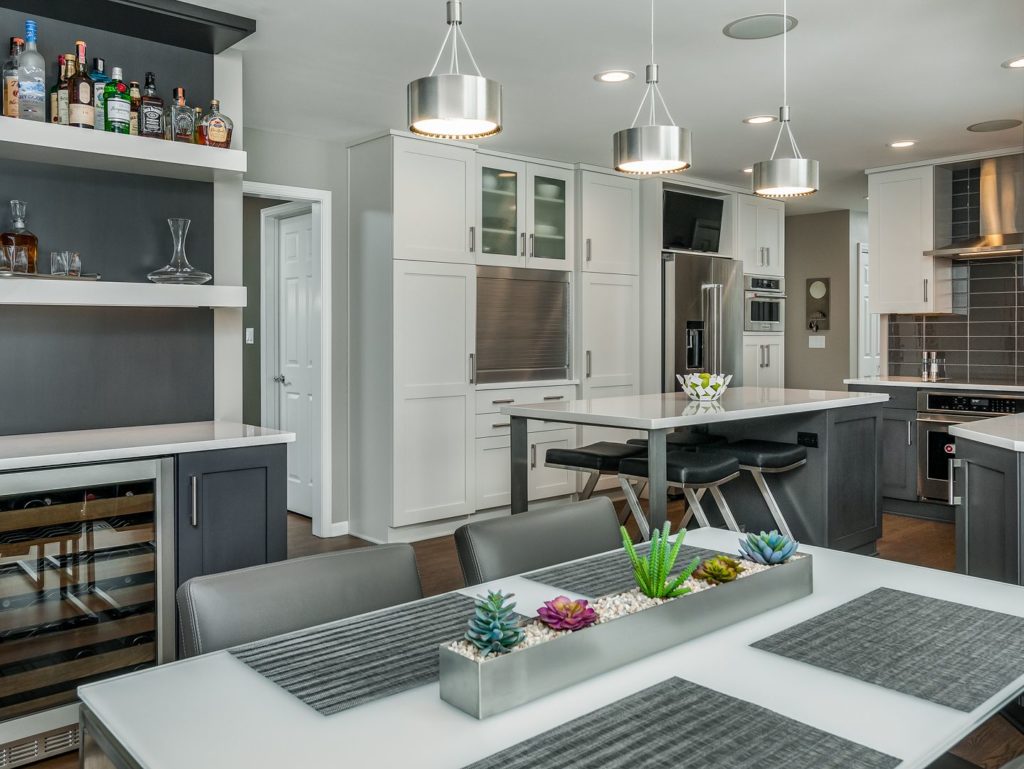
{"x": 31, "y": 78}
{"x": 99, "y": 79}
{"x": 117, "y": 104}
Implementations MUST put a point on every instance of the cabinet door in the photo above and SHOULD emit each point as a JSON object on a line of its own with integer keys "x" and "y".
{"x": 232, "y": 509}
{"x": 770, "y": 238}
{"x": 610, "y": 220}
{"x": 493, "y": 481}
{"x": 773, "y": 373}
{"x": 989, "y": 515}
{"x": 899, "y": 454}
{"x": 549, "y": 221}
{"x": 434, "y": 202}
{"x": 502, "y": 211}
{"x": 435, "y": 337}
{"x": 763, "y": 361}
{"x": 547, "y": 482}
{"x": 749, "y": 251}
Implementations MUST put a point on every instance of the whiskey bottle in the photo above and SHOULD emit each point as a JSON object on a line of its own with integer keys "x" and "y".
{"x": 55, "y": 89}
{"x": 11, "y": 78}
{"x": 19, "y": 235}
{"x": 216, "y": 128}
{"x": 197, "y": 119}
{"x": 99, "y": 79}
{"x": 117, "y": 104}
{"x": 31, "y": 78}
{"x": 135, "y": 97}
{"x": 151, "y": 110}
{"x": 70, "y": 67}
{"x": 179, "y": 119}
{"x": 81, "y": 93}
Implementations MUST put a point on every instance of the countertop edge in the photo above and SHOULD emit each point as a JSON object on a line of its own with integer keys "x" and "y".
{"x": 970, "y": 431}
{"x": 920, "y": 384}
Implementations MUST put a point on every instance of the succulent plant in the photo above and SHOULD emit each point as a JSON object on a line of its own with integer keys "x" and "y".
{"x": 719, "y": 569}
{"x": 494, "y": 628}
{"x": 651, "y": 571}
{"x": 563, "y": 613}
{"x": 769, "y": 549}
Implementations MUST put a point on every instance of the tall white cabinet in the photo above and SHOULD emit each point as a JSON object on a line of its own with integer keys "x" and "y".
{"x": 761, "y": 236}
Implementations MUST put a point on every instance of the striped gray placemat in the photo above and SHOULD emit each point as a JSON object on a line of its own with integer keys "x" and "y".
{"x": 607, "y": 573}
{"x": 937, "y": 650}
{"x": 680, "y": 724}
{"x": 357, "y": 660}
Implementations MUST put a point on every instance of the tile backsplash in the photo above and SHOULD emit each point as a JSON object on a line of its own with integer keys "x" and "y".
{"x": 982, "y": 340}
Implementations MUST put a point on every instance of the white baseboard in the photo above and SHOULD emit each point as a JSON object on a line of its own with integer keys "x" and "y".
{"x": 336, "y": 529}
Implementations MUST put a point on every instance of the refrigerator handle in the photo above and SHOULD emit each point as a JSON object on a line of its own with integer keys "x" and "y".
{"x": 713, "y": 326}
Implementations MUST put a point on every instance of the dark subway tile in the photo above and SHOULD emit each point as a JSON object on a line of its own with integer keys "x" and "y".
{"x": 946, "y": 343}
{"x": 993, "y": 358}
{"x": 933, "y": 328}
{"x": 991, "y": 343}
{"x": 906, "y": 343}
{"x": 988, "y": 314}
{"x": 995, "y": 269}
{"x": 993, "y": 374}
{"x": 904, "y": 369}
{"x": 1004, "y": 299}
{"x": 993, "y": 285}
{"x": 956, "y": 357}
{"x": 957, "y": 373}
{"x": 906, "y": 328}
{"x": 1004, "y": 328}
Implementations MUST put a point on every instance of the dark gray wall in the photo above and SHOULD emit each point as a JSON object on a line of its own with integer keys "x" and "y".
{"x": 75, "y": 368}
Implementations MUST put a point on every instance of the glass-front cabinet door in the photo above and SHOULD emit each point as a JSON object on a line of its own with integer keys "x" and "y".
{"x": 549, "y": 220}
{"x": 502, "y": 211}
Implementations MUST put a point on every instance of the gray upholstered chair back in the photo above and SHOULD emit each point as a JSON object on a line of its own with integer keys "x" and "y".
{"x": 235, "y": 607}
{"x": 505, "y": 546}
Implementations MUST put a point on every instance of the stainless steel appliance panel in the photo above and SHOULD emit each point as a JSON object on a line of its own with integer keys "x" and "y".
{"x": 522, "y": 325}
{"x": 764, "y": 303}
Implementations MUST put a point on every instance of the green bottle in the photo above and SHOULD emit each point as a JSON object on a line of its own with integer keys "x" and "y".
{"x": 117, "y": 104}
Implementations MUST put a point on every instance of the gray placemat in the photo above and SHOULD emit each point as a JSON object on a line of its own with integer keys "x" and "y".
{"x": 679, "y": 724}
{"x": 607, "y": 573}
{"x": 357, "y": 660}
{"x": 937, "y": 650}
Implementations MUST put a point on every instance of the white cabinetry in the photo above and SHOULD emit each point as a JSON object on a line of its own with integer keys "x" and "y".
{"x": 763, "y": 360}
{"x": 901, "y": 229}
{"x": 762, "y": 236}
{"x": 609, "y": 223}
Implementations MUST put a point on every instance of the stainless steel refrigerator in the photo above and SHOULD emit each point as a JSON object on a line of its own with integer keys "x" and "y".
{"x": 702, "y": 314}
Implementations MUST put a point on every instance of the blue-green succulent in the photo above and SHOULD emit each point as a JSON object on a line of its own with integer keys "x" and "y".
{"x": 494, "y": 628}
{"x": 769, "y": 549}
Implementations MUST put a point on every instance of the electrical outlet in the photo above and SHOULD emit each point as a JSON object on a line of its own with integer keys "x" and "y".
{"x": 816, "y": 342}
{"x": 250, "y": 336}
{"x": 807, "y": 439}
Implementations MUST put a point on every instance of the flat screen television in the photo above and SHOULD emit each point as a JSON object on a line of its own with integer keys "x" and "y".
{"x": 691, "y": 222}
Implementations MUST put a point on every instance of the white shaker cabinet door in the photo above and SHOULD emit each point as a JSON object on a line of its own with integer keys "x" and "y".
{"x": 763, "y": 361}
{"x": 435, "y": 403}
{"x": 434, "y": 202}
{"x": 610, "y": 218}
{"x": 770, "y": 236}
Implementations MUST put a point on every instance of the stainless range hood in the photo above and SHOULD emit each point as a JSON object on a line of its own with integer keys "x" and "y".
{"x": 1000, "y": 214}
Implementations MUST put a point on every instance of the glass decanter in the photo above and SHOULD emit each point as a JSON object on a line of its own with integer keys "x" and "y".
{"x": 19, "y": 235}
{"x": 179, "y": 270}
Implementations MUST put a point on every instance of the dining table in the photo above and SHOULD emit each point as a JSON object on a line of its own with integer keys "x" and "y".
{"x": 215, "y": 712}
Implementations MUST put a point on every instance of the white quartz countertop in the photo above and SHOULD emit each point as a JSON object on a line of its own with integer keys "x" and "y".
{"x": 662, "y": 411}
{"x": 19, "y": 452}
{"x": 1003, "y": 432}
{"x": 911, "y": 381}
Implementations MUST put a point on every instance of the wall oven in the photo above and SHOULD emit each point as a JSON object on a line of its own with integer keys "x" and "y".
{"x": 764, "y": 303}
{"x": 936, "y": 412}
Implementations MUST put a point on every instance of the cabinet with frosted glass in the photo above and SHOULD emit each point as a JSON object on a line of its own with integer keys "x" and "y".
{"x": 525, "y": 213}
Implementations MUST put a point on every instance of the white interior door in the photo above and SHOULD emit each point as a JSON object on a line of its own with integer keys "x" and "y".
{"x": 297, "y": 356}
{"x": 869, "y": 330}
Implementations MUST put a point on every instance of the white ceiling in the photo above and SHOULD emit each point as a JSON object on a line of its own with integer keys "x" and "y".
{"x": 862, "y": 73}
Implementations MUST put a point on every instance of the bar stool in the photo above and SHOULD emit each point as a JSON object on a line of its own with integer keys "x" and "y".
{"x": 693, "y": 473}
{"x": 761, "y": 457}
{"x": 597, "y": 459}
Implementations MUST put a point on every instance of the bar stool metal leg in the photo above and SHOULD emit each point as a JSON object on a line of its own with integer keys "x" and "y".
{"x": 724, "y": 509}
{"x": 591, "y": 484}
{"x": 769, "y": 499}
{"x": 632, "y": 498}
{"x": 695, "y": 508}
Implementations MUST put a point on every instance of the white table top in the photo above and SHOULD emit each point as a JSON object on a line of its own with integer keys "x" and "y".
{"x": 916, "y": 381}
{"x": 657, "y": 411}
{"x": 1003, "y": 432}
{"x": 18, "y": 452}
{"x": 215, "y": 712}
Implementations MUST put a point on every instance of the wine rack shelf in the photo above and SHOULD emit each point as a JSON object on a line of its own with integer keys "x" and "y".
{"x": 92, "y": 293}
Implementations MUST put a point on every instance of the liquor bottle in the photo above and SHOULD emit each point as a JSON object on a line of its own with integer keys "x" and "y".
{"x": 179, "y": 119}
{"x": 70, "y": 67}
{"x": 31, "y": 78}
{"x": 19, "y": 235}
{"x": 216, "y": 128}
{"x": 11, "y": 78}
{"x": 55, "y": 90}
{"x": 81, "y": 106}
{"x": 197, "y": 119}
{"x": 135, "y": 97}
{"x": 117, "y": 104}
{"x": 151, "y": 110}
{"x": 99, "y": 79}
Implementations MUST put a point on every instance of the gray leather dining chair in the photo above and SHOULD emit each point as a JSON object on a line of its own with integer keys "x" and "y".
{"x": 505, "y": 546}
{"x": 218, "y": 611}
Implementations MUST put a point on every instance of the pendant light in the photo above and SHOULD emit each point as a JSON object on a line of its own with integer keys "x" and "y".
{"x": 454, "y": 105}
{"x": 785, "y": 177}
{"x": 651, "y": 148}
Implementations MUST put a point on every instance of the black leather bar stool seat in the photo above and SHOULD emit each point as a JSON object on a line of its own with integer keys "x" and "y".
{"x": 767, "y": 455}
{"x": 604, "y": 456}
{"x": 684, "y": 440}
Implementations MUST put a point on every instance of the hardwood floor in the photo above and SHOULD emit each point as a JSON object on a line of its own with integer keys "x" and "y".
{"x": 908, "y": 540}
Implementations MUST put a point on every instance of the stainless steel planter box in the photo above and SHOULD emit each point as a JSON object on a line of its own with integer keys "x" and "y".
{"x": 500, "y": 683}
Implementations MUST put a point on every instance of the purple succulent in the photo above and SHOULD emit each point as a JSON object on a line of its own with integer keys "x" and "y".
{"x": 563, "y": 613}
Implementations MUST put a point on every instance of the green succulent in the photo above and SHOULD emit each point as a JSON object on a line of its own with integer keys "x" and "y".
{"x": 719, "y": 569}
{"x": 652, "y": 571}
{"x": 494, "y": 627}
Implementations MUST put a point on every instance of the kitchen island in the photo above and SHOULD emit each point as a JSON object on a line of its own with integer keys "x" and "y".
{"x": 833, "y": 501}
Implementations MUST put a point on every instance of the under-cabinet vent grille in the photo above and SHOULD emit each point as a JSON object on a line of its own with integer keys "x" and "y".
{"x": 45, "y": 745}
{"x": 61, "y": 741}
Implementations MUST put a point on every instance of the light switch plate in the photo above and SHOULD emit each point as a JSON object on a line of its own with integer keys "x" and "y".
{"x": 816, "y": 342}
{"x": 250, "y": 336}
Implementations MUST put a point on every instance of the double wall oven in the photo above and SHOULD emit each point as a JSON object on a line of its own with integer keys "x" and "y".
{"x": 936, "y": 413}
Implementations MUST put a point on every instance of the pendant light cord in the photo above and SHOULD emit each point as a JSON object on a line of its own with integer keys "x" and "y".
{"x": 785, "y": 87}
{"x": 455, "y": 35}
{"x": 653, "y": 92}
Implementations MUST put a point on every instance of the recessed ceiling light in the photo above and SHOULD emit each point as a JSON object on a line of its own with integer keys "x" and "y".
{"x": 748, "y": 170}
{"x": 902, "y": 144}
{"x": 614, "y": 76}
{"x": 994, "y": 125}
{"x": 758, "y": 27}
{"x": 759, "y": 119}
{"x": 1017, "y": 63}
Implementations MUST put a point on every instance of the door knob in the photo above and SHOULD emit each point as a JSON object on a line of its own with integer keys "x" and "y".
{"x": 279, "y": 378}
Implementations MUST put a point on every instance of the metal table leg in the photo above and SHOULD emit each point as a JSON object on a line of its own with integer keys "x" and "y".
{"x": 656, "y": 461}
{"x": 520, "y": 465}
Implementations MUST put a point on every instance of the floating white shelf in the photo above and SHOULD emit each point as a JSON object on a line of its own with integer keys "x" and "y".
{"x": 82, "y": 148}
{"x": 98, "y": 293}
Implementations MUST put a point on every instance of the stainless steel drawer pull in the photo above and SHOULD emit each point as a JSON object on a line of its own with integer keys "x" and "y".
{"x": 503, "y": 400}
{"x": 910, "y": 432}
{"x": 553, "y": 397}
{"x": 533, "y": 248}
{"x": 533, "y": 456}
{"x": 588, "y": 249}
{"x": 194, "y": 488}
{"x": 472, "y": 239}
{"x": 767, "y": 256}
{"x": 926, "y": 289}
{"x": 472, "y": 368}
{"x": 589, "y": 370}
{"x": 522, "y": 244}
{"x": 500, "y": 425}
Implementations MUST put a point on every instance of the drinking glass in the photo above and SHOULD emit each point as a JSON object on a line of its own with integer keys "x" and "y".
{"x": 58, "y": 263}
{"x": 20, "y": 261}
{"x": 74, "y": 263}
{"x": 6, "y": 258}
